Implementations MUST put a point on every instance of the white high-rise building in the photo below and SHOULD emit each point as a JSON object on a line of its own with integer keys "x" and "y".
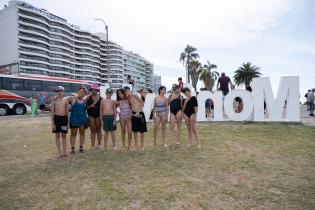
{"x": 37, "y": 42}
{"x": 137, "y": 70}
{"x": 156, "y": 83}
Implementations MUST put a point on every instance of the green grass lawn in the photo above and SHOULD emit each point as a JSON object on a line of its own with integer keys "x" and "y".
{"x": 239, "y": 167}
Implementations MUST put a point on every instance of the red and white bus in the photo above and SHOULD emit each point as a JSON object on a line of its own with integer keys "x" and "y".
{"x": 16, "y": 91}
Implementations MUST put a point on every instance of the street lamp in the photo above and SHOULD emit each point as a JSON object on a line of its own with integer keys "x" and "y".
{"x": 107, "y": 45}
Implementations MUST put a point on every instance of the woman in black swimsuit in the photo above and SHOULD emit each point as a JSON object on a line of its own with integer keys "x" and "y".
{"x": 175, "y": 101}
{"x": 93, "y": 109}
{"x": 190, "y": 108}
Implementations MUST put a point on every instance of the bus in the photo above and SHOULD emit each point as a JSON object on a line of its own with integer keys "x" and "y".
{"x": 16, "y": 91}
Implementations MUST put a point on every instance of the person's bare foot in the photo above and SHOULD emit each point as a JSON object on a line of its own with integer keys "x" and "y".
{"x": 165, "y": 145}
{"x": 142, "y": 148}
{"x": 188, "y": 145}
{"x": 59, "y": 157}
{"x": 177, "y": 143}
{"x": 199, "y": 146}
{"x": 114, "y": 148}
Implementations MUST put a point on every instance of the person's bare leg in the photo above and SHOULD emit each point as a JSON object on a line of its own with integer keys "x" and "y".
{"x": 93, "y": 130}
{"x": 64, "y": 143}
{"x": 172, "y": 127}
{"x": 135, "y": 135}
{"x": 189, "y": 130}
{"x": 123, "y": 132}
{"x": 156, "y": 127}
{"x": 142, "y": 140}
{"x": 193, "y": 125}
{"x": 74, "y": 132}
{"x": 112, "y": 133}
{"x": 129, "y": 130}
{"x": 82, "y": 137}
{"x": 98, "y": 131}
{"x": 179, "y": 125}
{"x": 163, "y": 122}
{"x": 105, "y": 139}
{"x": 57, "y": 138}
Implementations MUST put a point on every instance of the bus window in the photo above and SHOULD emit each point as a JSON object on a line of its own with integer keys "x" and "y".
{"x": 75, "y": 87}
{"x": 49, "y": 86}
{"x": 67, "y": 86}
{"x": 1, "y": 79}
{"x": 34, "y": 85}
{"x": 13, "y": 84}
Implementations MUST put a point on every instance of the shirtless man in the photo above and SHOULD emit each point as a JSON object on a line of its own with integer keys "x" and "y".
{"x": 138, "y": 121}
{"x": 109, "y": 113}
{"x": 59, "y": 120}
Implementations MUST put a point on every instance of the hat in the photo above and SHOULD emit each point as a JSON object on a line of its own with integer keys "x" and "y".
{"x": 175, "y": 86}
{"x": 95, "y": 86}
{"x": 109, "y": 90}
{"x": 126, "y": 88}
{"x": 59, "y": 88}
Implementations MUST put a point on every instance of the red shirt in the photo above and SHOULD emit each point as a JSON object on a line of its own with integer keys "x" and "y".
{"x": 180, "y": 84}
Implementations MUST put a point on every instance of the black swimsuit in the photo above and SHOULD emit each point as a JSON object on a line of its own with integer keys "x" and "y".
{"x": 94, "y": 111}
{"x": 176, "y": 105}
{"x": 190, "y": 106}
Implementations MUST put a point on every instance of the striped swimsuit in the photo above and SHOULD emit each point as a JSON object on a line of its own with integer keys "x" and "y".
{"x": 160, "y": 108}
{"x": 125, "y": 110}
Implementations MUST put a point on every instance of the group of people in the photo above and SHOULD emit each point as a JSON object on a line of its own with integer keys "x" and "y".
{"x": 310, "y": 100}
{"x": 83, "y": 110}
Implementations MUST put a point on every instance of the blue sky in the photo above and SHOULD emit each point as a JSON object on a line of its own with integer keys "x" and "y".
{"x": 276, "y": 35}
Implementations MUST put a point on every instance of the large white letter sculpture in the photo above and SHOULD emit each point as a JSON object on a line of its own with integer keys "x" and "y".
{"x": 288, "y": 91}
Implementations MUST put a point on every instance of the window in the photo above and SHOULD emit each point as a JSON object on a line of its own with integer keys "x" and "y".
{"x": 33, "y": 85}
{"x": 1, "y": 82}
{"x": 13, "y": 84}
{"x": 67, "y": 86}
{"x": 49, "y": 86}
{"x": 75, "y": 87}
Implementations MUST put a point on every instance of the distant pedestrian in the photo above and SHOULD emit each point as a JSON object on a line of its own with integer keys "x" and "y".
{"x": 311, "y": 100}
{"x": 307, "y": 104}
{"x": 34, "y": 103}
{"x": 223, "y": 84}
{"x": 42, "y": 102}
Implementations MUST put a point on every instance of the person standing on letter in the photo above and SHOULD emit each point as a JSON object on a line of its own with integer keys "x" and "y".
{"x": 139, "y": 124}
{"x": 190, "y": 108}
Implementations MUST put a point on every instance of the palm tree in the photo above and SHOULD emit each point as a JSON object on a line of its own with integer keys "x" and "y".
{"x": 186, "y": 57}
{"x": 245, "y": 74}
{"x": 195, "y": 69}
{"x": 208, "y": 76}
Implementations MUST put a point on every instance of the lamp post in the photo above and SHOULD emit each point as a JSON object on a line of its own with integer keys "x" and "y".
{"x": 107, "y": 46}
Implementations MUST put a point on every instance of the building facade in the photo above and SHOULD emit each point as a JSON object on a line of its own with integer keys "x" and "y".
{"x": 156, "y": 83}
{"x": 137, "y": 69}
{"x": 37, "y": 42}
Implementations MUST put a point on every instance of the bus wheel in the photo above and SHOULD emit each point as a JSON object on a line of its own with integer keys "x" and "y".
{"x": 19, "y": 109}
{"x": 4, "y": 110}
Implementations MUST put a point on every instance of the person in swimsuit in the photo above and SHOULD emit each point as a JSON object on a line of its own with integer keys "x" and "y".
{"x": 190, "y": 109}
{"x": 175, "y": 101}
{"x": 124, "y": 117}
{"x": 160, "y": 110}
{"x": 138, "y": 121}
{"x": 93, "y": 110}
{"x": 78, "y": 118}
{"x": 59, "y": 120}
{"x": 109, "y": 113}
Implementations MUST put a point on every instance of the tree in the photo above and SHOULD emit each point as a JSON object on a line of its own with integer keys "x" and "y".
{"x": 186, "y": 57}
{"x": 208, "y": 76}
{"x": 245, "y": 74}
{"x": 195, "y": 69}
